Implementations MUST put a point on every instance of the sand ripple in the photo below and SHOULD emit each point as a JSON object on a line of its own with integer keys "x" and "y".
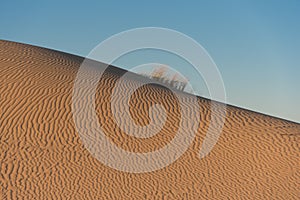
{"x": 42, "y": 156}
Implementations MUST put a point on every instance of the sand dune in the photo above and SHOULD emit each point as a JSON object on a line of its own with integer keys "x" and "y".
{"x": 43, "y": 157}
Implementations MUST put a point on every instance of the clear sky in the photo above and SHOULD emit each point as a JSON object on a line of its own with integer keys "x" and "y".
{"x": 255, "y": 44}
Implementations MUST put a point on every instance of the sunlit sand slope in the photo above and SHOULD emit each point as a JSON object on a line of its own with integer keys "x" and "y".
{"x": 43, "y": 157}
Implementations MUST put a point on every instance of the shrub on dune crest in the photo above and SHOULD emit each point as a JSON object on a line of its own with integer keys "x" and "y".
{"x": 160, "y": 74}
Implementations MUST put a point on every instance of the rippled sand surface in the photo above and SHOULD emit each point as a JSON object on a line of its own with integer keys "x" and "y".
{"x": 43, "y": 157}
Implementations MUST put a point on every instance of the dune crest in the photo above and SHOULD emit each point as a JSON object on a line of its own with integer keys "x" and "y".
{"x": 42, "y": 155}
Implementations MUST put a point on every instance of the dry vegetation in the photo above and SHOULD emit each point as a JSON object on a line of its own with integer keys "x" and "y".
{"x": 161, "y": 75}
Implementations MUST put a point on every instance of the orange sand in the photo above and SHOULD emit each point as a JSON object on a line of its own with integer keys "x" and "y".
{"x": 42, "y": 156}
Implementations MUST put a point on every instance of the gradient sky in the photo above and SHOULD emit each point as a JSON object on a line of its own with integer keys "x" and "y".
{"x": 255, "y": 44}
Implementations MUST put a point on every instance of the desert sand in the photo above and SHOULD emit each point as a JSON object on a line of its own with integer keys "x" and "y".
{"x": 43, "y": 157}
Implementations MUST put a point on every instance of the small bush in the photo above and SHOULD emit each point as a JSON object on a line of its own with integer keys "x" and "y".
{"x": 160, "y": 74}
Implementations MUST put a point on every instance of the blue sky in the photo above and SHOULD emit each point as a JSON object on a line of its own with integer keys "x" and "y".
{"x": 255, "y": 44}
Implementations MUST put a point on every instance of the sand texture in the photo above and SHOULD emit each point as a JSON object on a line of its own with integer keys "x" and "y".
{"x": 43, "y": 157}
